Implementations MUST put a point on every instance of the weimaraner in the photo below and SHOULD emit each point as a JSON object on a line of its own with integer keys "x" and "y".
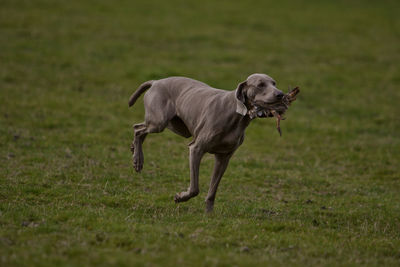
{"x": 216, "y": 119}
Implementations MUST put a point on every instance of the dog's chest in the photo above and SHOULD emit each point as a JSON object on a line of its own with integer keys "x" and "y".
{"x": 226, "y": 142}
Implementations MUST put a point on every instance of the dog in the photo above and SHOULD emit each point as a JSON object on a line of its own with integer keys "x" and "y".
{"x": 217, "y": 120}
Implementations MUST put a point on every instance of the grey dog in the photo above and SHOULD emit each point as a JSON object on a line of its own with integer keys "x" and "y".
{"x": 216, "y": 119}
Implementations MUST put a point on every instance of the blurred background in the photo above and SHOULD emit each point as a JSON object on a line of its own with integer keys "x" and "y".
{"x": 326, "y": 192}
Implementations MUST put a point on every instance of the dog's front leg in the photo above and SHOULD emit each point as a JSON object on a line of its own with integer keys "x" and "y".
{"x": 221, "y": 162}
{"x": 196, "y": 153}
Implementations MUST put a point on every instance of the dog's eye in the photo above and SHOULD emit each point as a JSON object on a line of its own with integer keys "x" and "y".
{"x": 261, "y": 84}
{"x": 273, "y": 83}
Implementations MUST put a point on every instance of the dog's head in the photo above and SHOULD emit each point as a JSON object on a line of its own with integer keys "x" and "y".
{"x": 257, "y": 89}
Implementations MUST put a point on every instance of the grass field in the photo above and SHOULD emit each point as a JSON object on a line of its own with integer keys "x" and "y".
{"x": 326, "y": 193}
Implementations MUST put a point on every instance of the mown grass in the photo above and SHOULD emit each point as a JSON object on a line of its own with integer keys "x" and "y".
{"x": 326, "y": 193}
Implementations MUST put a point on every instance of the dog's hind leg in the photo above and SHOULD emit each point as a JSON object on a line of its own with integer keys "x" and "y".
{"x": 136, "y": 127}
{"x": 136, "y": 146}
{"x": 158, "y": 112}
{"x": 141, "y": 131}
{"x": 153, "y": 124}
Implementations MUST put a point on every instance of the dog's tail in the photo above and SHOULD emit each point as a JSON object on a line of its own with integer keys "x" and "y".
{"x": 142, "y": 88}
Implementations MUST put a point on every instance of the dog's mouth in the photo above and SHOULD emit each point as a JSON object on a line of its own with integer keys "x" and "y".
{"x": 274, "y": 102}
{"x": 264, "y": 109}
{"x": 275, "y": 108}
{"x": 266, "y": 103}
{"x": 269, "y": 104}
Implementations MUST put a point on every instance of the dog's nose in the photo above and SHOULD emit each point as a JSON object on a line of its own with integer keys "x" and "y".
{"x": 279, "y": 95}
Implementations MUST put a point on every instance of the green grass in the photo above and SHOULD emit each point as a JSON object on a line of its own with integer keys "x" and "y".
{"x": 326, "y": 193}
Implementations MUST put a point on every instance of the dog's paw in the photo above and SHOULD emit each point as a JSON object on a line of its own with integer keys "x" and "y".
{"x": 137, "y": 163}
{"x": 181, "y": 197}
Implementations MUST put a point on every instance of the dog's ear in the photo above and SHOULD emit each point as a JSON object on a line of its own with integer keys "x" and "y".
{"x": 241, "y": 98}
